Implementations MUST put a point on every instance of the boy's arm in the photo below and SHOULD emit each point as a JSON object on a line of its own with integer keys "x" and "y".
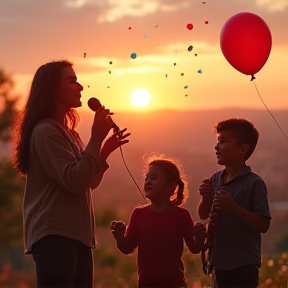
{"x": 255, "y": 221}
{"x": 204, "y": 207}
{"x": 205, "y": 190}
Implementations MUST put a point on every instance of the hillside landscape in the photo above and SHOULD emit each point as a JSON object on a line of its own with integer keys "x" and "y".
{"x": 188, "y": 136}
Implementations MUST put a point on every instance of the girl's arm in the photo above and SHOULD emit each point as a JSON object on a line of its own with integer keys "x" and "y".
{"x": 194, "y": 235}
{"x": 118, "y": 229}
{"x": 199, "y": 237}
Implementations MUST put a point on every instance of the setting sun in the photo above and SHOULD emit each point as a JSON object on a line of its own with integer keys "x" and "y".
{"x": 140, "y": 97}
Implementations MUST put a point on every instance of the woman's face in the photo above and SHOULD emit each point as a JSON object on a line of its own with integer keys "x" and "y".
{"x": 69, "y": 91}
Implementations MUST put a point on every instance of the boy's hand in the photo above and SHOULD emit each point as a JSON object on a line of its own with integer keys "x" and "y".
{"x": 206, "y": 188}
{"x": 118, "y": 229}
{"x": 222, "y": 199}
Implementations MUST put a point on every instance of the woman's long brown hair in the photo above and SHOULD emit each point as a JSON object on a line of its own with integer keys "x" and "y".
{"x": 40, "y": 105}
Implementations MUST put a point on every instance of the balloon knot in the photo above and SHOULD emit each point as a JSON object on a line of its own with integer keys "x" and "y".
{"x": 252, "y": 78}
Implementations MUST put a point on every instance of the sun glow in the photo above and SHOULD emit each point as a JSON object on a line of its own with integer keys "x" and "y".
{"x": 140, "y": 97}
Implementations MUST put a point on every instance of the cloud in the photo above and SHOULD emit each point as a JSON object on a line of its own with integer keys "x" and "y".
{"x": 113, "y": 10}
{"x": 273, "y": 5}
{"x": 75, "y": 3}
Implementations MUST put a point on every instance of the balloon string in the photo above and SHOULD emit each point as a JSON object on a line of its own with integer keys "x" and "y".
{"x": 269, "y": 110}
{"x": 130, "y": 173}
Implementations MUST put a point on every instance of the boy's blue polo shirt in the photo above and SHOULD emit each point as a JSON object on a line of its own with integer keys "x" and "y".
{"x": 236, "y": 243}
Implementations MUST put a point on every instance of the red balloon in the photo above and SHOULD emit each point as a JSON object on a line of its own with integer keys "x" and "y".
{"x": 246, "y": 42}
{"x": 189, "y": 26}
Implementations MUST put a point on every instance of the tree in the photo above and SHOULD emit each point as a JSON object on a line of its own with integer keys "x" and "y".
{"x": 7, "y": 106}
{"x": 11, "y": 184}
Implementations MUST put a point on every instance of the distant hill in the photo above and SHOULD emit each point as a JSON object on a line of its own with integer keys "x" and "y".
{"x": 189, "y": 137}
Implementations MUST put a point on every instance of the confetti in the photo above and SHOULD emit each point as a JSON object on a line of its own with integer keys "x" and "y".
{"x": 189, "y": 26}
{"x": 206, "y": 22}
{"x": 182, "y": 74}
{"x": 133, "y": 55}
{"x": 129, "y": 28}
{"x": 190, "y": 48}
{"x": 200, "y": 71}
{"x": 84, "y": 55}
{"x": 185, "y": 87}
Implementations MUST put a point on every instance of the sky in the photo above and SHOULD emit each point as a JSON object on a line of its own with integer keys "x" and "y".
{"x": 34, "y": 32}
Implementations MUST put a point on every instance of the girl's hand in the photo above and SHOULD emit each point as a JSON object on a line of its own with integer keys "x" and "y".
{"x": 118, "y": 229}
{"x": 200, "y": 230}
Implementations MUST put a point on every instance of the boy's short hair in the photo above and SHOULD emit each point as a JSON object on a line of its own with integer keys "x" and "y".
{"x": 244, "y": 132}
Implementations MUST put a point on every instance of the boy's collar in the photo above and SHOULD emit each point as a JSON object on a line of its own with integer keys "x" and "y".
{"x": 244, "y": 171}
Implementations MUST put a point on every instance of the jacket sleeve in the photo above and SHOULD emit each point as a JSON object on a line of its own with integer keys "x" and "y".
{"x": 53, "y": 153}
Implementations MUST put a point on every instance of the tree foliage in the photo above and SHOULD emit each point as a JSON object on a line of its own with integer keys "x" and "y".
{"x": 11, "y": 184}
{"x": 7, "y": 106}
{"x": 11, "y": 187}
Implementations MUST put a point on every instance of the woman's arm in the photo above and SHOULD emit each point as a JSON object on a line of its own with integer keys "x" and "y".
{"x": 110, "y": 145}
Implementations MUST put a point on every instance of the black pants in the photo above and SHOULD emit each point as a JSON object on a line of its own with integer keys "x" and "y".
{"x": 62, "y": 263}
{"x": 242, "y": 277}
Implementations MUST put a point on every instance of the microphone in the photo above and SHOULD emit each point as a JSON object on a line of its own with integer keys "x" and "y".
{"x": 94, "y": 104}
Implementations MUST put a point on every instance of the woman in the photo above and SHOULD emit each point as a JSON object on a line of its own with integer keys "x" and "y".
{"x": 59, "y": 228}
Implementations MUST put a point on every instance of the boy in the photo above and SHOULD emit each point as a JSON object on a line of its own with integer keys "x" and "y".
{"x": 241, "y": 198}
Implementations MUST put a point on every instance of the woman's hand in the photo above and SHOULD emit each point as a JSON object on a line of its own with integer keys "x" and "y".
{"x": 102, "y": 124}
{"x": 113, "y": 142}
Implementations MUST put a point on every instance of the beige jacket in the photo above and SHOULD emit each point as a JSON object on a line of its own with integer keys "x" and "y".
{"x": 57, "y": 197}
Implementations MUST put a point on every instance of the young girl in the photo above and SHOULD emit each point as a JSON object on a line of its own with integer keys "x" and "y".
{"x": 158, "y": 229}
{"x": 59, "y": 229}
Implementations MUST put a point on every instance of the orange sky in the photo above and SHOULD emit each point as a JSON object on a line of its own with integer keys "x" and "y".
{"x": 34, "y": 32}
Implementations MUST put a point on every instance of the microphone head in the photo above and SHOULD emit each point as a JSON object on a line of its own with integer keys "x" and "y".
{"x": 93, "y": 103}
